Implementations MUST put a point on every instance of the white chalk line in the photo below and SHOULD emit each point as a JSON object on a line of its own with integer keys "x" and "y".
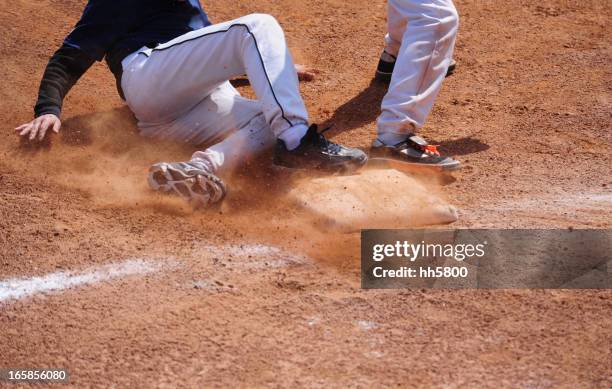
{"x": 19, "y": 288}
{"x": 246, "y": 256}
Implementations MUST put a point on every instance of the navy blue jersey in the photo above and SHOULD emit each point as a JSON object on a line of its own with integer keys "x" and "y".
{"x": 113, "y": 29}
{"x": 127, "y": 25}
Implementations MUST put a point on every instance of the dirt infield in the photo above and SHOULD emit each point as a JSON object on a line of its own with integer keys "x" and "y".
{"x": 252, "y": 293}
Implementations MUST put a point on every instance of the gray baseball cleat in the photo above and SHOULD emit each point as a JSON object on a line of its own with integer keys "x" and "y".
{"x": 192, "y": 180}
{"x": 414, "y": 152}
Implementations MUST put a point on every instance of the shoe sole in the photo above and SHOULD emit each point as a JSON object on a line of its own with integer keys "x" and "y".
{"x": 196, "y": 189}
{"x": 340, "y": 167}
{"x": 386, "y": 77}
{"x": 411, "y": 167}
{"x": 350, "y": 166}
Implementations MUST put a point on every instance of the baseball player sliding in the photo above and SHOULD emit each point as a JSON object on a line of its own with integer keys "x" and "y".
{"x": 417, "y": 56}
{"x": 172, "y": 67}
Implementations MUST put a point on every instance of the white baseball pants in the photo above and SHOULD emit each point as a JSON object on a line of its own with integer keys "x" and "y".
{"x": 421, "y": 35}
{"x": 180, "y": 90}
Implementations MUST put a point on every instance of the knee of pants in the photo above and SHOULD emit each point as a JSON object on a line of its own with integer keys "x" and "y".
{"x": 262, "y": 22}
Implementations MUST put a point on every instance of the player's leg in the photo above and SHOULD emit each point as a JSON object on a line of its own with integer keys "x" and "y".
{"x": 176, "y": 74}
{"x": 231, "y": 129}
{"x": 210, "y": 120}
{"x": 235, "y": 130}
{"x": 396, "y": 27}
{"x": 238, "y": 148}
{"x": 422, "y": 62}
{"x": 189, "y": 67}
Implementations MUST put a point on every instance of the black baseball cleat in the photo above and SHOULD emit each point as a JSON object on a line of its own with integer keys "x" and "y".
{"x": 451, "y": 68}
{"x": 386, "y": 64}
{"x": 316, "y": 152}
{"x": 411, "y": 153}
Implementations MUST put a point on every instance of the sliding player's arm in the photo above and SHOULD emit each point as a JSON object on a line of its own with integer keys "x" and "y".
{"x": 88, "y": 42}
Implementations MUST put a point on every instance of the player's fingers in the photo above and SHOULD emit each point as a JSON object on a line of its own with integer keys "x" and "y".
{"x": 56, "y": 126}
{"x": 34, "y": 130}
{"x": 43, "y": 129}
{"x": 306, "y": 76}
{"x": 25, "y": 130}
{"x": 21, "y": 127}
{"x": 304, "y": 73}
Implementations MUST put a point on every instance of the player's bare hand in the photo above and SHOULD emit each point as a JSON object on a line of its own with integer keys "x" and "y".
{"x": 305, "y": 73}
{"x": 38, "y": 128}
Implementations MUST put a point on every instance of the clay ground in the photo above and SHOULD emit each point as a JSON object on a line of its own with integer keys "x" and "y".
{"x": 251, "y": 294}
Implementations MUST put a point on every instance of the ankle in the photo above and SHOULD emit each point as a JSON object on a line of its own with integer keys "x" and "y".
{"x": 211, "y": 162}
{"x": 292, "y": 137}
{"x": 390, "y": 139}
